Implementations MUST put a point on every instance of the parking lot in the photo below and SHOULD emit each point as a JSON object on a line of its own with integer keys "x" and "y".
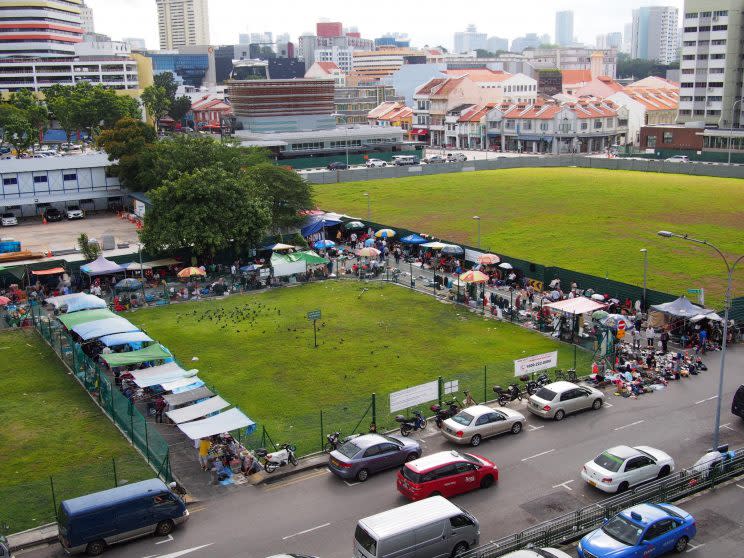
{"x": 37, "y": 237}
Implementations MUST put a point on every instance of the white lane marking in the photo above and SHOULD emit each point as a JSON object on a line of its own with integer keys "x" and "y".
{"x": 727, "y": 425}
{"x": 704, "y": 400}
{"x": 533, "y": 428}
{"x": 306, "y": 531}
{"x": 605, "y": 404}
{"x": 538, "y": 454}
{"x": 347, "y": 483}
{"x": 740, "y": 486}
{"x": 629, "y": 425}
{"x": 180, "y": 552}
{"x": 692, "y": 547}
{"x": 169, "y": 539}
{"x": 564, "y": 485}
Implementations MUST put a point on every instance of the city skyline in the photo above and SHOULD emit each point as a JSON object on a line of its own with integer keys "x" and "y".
{"x": 229, "y": 18}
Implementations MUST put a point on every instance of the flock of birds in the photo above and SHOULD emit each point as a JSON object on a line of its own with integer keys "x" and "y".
{"x": 246, "y": 314}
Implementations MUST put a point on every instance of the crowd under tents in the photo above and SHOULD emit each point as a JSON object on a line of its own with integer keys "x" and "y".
{"x": 76, "y": 302}
{"x": 576, "y": 306}
{"x": 679, "y": 310}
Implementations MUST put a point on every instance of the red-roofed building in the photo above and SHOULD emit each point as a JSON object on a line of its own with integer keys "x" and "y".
{"x": 500, "y": 87}
{"x": 600, "y": 87}
{"x": 574, "y": 80}
{"x": 391, "y": 113}
{"x": 647, "y": 107}
{"x": 326, "y": 70}
{"x": 209, "y": 111}
{"x": 434, "y": 99}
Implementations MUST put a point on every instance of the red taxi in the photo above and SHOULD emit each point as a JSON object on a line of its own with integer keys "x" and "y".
{"x": 446, "y": 473}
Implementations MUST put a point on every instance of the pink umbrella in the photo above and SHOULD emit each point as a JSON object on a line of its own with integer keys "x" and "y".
{"x": 4, "y": 300}
{"x": 488, "y": 259}
{"x": 473, "y": 277}
{"x": 368, "y": 252}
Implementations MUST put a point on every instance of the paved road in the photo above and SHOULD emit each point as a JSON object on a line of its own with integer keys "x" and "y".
{"x": 316, "y": 513}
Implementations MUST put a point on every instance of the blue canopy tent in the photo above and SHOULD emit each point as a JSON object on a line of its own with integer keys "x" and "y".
{"x": 101, "y": 328}
{"x": 124, "y": 338}
{"x": 316, "y": 223}
{"x": 413, "y": 239}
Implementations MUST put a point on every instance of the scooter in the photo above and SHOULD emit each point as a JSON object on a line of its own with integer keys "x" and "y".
{"x": 271, "y": 461}
{"x": 509, "y": 394}
{"x": 442, "y": 414}
{"x": 333, "y": 442}
{"x": 408, "y": 425}
{"x": 533, "y": 385}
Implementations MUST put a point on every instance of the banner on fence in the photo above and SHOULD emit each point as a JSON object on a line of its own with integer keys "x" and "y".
{"x": 535, "y": 363}
{"x": 413, "y": 396}
{"x": 452, "y": 387}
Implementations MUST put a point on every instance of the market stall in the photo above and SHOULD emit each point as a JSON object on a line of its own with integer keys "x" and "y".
{"x": 73, "y": 319}
{"x": 179, "y": 399}
{"x": 157, "y": 375}
{"x": 101, "y": 266}
{"x": 232, "y": 419}
{"x": 125, "y": 338}
{"x": 197, "y": 410}
{"x": 76, "y": 302}
{"x": 100, "y": 328}
{"x": 154, "y": 352}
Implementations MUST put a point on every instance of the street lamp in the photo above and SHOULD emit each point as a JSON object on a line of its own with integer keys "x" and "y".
{"x": 644, "y": 251}
{"x": 731, "y": 129}
{"x": 478, "y": 220}
{"x": 730, "y": 269}
{"x": 369, "y": 212}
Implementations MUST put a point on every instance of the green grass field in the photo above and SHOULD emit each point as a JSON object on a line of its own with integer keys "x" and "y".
{"x": 593, "y": 221}
{"x": 50, "y": 428}
{"x": 257, "y": 350}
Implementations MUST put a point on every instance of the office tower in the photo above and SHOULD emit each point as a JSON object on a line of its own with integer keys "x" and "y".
{"x": 183, "y": 23}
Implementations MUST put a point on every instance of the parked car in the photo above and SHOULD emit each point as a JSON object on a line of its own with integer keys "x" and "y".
{"x": 52, "y": 214}
{"x": 473, "y": 424}
{"x": 74, "y": 212}
{"x": 434, "y": 159}
{"x": 8, "y": 219}
{"x": 678, "y": 159}
{"x": 337, "y": 165}
{"x": 372, "y": 453}
{"x": 375, "y": 163}
{"x": 622, "y": 467}
{"x": 456, "y": 158}
{"x": 646, "y": 530}
{"x": 737, "y": 405}
{"x": 404, "y": 160}
{"x": 537, "y": 553}
{"x": 559, "y": 399}
{"x": 446, "y": 473}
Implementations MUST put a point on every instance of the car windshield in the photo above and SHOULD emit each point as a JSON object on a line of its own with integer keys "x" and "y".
{"x": 365, "y": 540}
{"x": 471, "y": 458}
{"x": 623, "y": 530}
{"x": 393, "y": 441}
{"x": 546, "y": 394}
{"x": 8, "y": 215}
{"x": 608, "y": 461}
{"x": 411, "y": 475}
{"x": 73, "y": 208}
{"x": 349, "y": 449}
{"x": 463, "y": 418}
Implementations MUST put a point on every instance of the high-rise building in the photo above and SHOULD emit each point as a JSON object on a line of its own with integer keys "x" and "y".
{"x": 564, "y": 27}
{"x": 627, "y": 38}
{"x": 609, "y": 40}
{"x": 530, "y": 40}
{"x": 654, "y": 34}
{"x": 136, "y": 43}
{"x": 183, "y": 23}
{"x": 710, "y": 68}
{"x": 495, "y": 44}
{"x": 469, "y": 40}
{"x": 40, "y": 29}
{"x": 309, "y": 43}
{"x": 86, "y": 19}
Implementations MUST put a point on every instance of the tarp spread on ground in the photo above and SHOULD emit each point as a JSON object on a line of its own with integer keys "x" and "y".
{"x": 283, "y": 266}
{"x": 101, "y": 266}
{"x": 198, "y": 410}
{"x": 310, "y": 257}
{"x": 217, "y": 424}
{"x": 157, "y": 375}
{"x": 77, "y": 302}
{"x": 99, "y": 328}
{"x": 680, "y": 308}
{"x": 124, "y": 338}
{"x": 154, "y": 352}
{"x": 85, "y": 316}
{"x": 578, "y": 305}
{"x": 187, "y": 397}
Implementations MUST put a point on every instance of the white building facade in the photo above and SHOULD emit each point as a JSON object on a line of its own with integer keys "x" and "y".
{"x": 655, "y": 34}
{"x": 183, "y": 23}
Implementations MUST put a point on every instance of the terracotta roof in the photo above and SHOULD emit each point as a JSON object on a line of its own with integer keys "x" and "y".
{"x": 446, "y": 87}
{"x": 390, "y": 110}
{"x": 329, "y": 67}
{"x": 601, "y": 87}
{"x": 476, "y": 113}
{"x": 548, "y": 111}
{"x": 576, "y": 76}
{"x": 655, "y": 82}
{"x": 427, "y": 88}
{"x": 398, "y": 113}
{"x": 480, "y": 74}
{"x": 654, "y": 99}
{"x": 382, "y": 109}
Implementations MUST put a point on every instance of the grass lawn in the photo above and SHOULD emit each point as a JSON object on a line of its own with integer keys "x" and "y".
{"x": 257, "y": 351}
{"x": 50, "y": 428}
{"x": 589, "y": 220}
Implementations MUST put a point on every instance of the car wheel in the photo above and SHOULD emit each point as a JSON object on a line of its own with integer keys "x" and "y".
{"x": 384, "y": 164}
{"x": 95, "y": 548}
{"x": 411, "y": 457}
{"x": 486, "y": 481}
{"x": 362, "y": 475}
{"x": 475, "y": 440}
{"x": 460, "y": 549}
{"x": 664, "y": 472}
{"x": 681, "y": 544}
{"x": 623, "y": 487}
{"x": 164, "y": 528}
{"x": 559, "y": 414}
{"x": 597, "y": 404}
{"x": 516, "y": 428}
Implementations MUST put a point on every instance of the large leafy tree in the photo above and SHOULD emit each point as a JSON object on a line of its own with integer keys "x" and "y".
{"x": 64, "y": 108}
{"x": 180, "y": 106}
{"x": 285, "y": 192}
{"x": 167, "y": 81}
{"x": 207, "y": 210}
{"x": 36, "y": 111}
{"x": 18, "y": 132}
{"x": 156, "y": 101}
{"x": 124, "y": 144}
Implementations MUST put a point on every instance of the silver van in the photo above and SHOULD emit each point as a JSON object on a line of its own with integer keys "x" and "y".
{"x": 434, "y": 527}
{"x": 404, "y": 160}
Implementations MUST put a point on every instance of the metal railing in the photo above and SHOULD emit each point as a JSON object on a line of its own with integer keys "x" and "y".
{"x": 572, "y": 526}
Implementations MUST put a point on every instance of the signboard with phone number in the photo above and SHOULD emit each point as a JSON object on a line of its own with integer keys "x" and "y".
{"x": 535, "y": 363}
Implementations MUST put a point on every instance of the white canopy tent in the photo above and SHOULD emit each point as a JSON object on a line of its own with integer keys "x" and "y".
{"x": 177, "y": 399}
{"x": 710, "y": 316}
{"x": 155, "y": 375}
{"x": 217, "y": 424}
{"x": 198, "y": 410}
{"x": 576, "y": 306}
{"x": 181, "y": 383}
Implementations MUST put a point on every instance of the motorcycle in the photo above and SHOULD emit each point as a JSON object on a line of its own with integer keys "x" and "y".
{"x": 533, "y": 385}
{"x": 333, "y": 442}
{"x": 442, "y": 414}
{"x": 509, "y": 394}
{"x": 271, "y": 461}
{"x": 408, "y": 425}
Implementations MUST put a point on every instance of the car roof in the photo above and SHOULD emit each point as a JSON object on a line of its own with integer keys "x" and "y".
{"x": 403, "y": 518}
{"x": 624, "y": 452}
{"x": 649, "y": 513}
{"x": 428, "y": 462}
{"x": 113, "y": 496}
{"x": 537, "y": 553}
{"x": 478, "y": 410}
{"x": 366, "y": 440}
{"x": 561, "y": 386}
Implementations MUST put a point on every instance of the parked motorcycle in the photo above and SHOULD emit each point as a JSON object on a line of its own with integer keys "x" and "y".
{"x": 533, "y": 385}
{"x": 408, "y": 425}
{"x": 271, "y": 461}
{"x": 443, "y": 413}
{"x": 509, "y": 394}
{"x": 333, "y": 442}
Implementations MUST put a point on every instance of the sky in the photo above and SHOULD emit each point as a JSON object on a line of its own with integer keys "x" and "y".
{"x": 427, "y": 23}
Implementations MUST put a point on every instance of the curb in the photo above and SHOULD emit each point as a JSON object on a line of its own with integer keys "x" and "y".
{"x": 271, "y": 478}
{"x": 44, "y": 534}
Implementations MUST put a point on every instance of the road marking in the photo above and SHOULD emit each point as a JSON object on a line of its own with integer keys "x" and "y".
{"x": 280, "y": 484}
{"x": 306, "y": 531}
{"x": 629, "y": 425}
{"x": 605, "y": 404}
{"x": 179, "y": 552}
{"x": 740, "y": 486}
{"x": 692, "y": 547}
{"x": 727, "y": 425}
{"x": 169, "y": 539}
{"x": 564, "y": 485}
{"x": 197, "y": 509}
{"x": 347, "y": 483}
{"x": 533, "y": 428}
{"x": 704, "y": 400}
{"x": 538, "y": 454}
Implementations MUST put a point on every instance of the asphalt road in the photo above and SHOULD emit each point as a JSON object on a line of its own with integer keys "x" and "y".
{"x": 315, "y": 513}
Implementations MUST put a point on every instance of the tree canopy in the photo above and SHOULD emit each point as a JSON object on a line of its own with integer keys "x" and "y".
{"x": 156, "y": 101}
{"x": 637, "y": 68}
{"x": 284, "y": 191}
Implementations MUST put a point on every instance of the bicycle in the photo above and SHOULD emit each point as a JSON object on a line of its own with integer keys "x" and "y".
{"x": 569, "y": 375}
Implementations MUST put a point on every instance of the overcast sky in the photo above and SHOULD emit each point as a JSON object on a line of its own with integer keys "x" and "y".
{"x": 427, "y": 23}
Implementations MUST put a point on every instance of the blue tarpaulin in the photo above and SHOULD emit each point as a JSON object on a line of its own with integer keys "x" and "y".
{"x": 316, "y": 223}
{"x": 124, "y": 338}
{"x": 100, "y": 328}
{"x": 413, "y": 239}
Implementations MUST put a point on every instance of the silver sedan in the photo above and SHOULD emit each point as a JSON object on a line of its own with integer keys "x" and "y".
{"x": 556, "y": 400}
{"x": 473, "y": 424}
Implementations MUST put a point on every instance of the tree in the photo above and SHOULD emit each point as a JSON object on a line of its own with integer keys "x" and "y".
{"x": 637, "y": 68}
{"x": 156, "y": 101}
{"x": 179, "y": 108}
{"x": 91, "y": 250}
{"x": 284, "y": 191}
{"x": 124, "y": 144}
{"x": 36, "y": 111}
{"x": 208, "y": 210}
{"x": 18, "y": 132}
{"x": 167, "y": 82}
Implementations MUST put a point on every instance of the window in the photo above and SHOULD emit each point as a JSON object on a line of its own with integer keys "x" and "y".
{"x": 721, "y": 13}
{"x": 718, "y": 42}
{"x": 568, "y": 395}
{"x": 705, "y": 28}
{"x": 720, "y": 56}
{"x": 691, "y": 15}
{"x": 72, "y": 176}
{"x": 510, "y": 124}
{"x": 461, "y": 521}
{"x": 10, "y": 181}
{"x": 444, "y": 472}
{"x": 372, "y": 451}
{"x": 39, "y": 179}
{"x": 527, "y": 125}
{"x": 690, "y": 29}
{"x": 659, "y": 528}
{"x": 651, "y": 141}
{"x": 388, "y": 448}
{"x": 483, "y": 419}
{"x": 584, "y": 125}
{"x": 668, "y": 137}
{"x": 464, "y": 467}
{"x": 720, "y": 28}
{"x": 544, "y": 126}
{"x": 597, "y": 124}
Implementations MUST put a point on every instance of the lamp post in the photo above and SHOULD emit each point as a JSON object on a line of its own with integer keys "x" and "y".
{"x": 731, "y": 129}
{"x": 478, "y": 220}
{"x": 644, "y": 251}
{"x": 730, "y": 268}
{"x": 369, "y": 211}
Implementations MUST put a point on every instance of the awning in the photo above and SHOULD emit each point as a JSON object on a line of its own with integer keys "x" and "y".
{"x": 224, "y": 422}
{"x": 317, "y": 223}
{"x": 578, "y": 305}
{"x": 156, "y": 375}
{"x": 135, "y": 266}
{"x": 176, "y": 385}
{"x": 51, "y": 271}
{"x": 101, "y": 266}
{"x": 99, "y": 328}
{"x": 420, "y": 132}
{"x": 78, "y": 302}
{"x": 711, "y": 316}
{"x": 681, "y": 308}
{"x": 197, "y": 410}
{"x": 77, "y": 318}
{"x": 187, "y": 397}
{"x": 124, "y": 338}
{"x": 154, "y": 352}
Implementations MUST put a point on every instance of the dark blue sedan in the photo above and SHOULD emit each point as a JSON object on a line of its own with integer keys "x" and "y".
{"x": 370, "y": 453}
{"x": 643, "y": 531}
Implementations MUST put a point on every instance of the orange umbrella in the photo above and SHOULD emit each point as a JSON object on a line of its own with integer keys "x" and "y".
{"x": 488, "y": 259}
{"x": 190, "y": 272}
{"x": 473, "y": 277}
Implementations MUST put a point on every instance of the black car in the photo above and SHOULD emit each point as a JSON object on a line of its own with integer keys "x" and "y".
{"x": 337, "y": 165}
{"x": 52, "y": 214}
{"x": 737, "y": 405}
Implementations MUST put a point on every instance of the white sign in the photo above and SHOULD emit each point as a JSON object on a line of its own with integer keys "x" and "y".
{"x": 413, "y": 396}
{"x": 451, "y": 387}
{"x": 139, "y": 208}
{"x": 535, "y": 363}
{"x": 472, "y": 255}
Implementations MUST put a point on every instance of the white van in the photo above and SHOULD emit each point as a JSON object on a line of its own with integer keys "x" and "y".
{"x": 402, "y": 160}
{"x": 434, "y": 527}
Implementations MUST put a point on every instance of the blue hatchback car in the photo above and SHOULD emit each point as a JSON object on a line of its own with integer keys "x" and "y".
{"x": 645, "y": 530}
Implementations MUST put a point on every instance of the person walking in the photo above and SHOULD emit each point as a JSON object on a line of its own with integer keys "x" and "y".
{"x": 650, "y": 336}
{"x": 664, "y": 338}
{"x": 159, "y": 408}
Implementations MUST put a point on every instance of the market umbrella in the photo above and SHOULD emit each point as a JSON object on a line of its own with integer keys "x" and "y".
{"x": 506, "y": 265}
{"x": 599, "y": 297}
{"x": 385, "y": 233}
{"x": 4, "y": 300}
{"x": 413, "y": 239}
{"x": 323, "y": 244}
{"x": 279, "y": 247}
{"x": 488, "y": 259}
{"x": 599, "y": 315}
{"x": 368, "y": 252}
{"x": 129, "y": 284}
{"x": 473, "y": 277}
{"x": 354, "y": 226}
{"x": 369, "y": 242}
{"x": 452, "y": 249}
{"x": 436, "y": 245}
{"x": 191, "y": 272}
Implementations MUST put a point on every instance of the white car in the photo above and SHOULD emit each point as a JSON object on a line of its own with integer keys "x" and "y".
{"x": 8, "y": 220}
{"x": 678, "y": 159}
{"x": 74, "y": 212}
{"x": 623, "y": 467}
{"x": 375, "y": 163}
